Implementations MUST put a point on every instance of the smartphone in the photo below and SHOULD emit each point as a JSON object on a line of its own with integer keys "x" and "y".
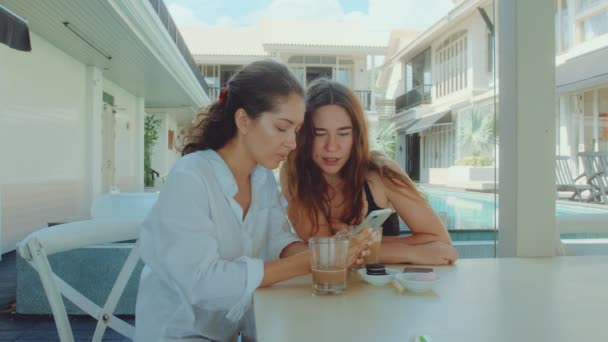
{"x": 417, "y": 270}
{"x": 375, "y": 219}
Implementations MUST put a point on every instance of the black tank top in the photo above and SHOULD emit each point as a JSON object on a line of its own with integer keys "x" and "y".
{"x": 390, "y": 227}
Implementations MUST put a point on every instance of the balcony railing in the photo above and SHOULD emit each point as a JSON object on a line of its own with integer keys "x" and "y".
{"x": 413, "y": 98}
{"x": 214, "y": 93}
{"x": 163, "y": 13}
{"x": 365, "y": 97}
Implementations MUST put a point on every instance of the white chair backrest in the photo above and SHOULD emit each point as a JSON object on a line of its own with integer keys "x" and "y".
{"x": 124, "y": 205}
{"x": 563, "y": 172}
{"x": 36, "y": 248}
{"x": 596, "y": 171}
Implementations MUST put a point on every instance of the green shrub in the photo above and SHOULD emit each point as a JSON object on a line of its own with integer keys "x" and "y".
{"x": 475, "y": 161}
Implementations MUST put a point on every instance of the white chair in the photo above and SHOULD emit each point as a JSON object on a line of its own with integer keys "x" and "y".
{"x": 123, "y": 205}
{"x": 565, "y": 181}
{"x": 36, "y": 248}
{"x": 596, "y": 171}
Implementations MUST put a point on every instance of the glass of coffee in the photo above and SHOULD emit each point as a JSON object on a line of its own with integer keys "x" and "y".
{"x": 329, "y": 263}
{"x": 374, "y": 249}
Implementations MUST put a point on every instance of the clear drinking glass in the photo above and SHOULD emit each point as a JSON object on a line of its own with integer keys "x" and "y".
{"x": 329, "y": 263}
{"x": 374, "y": 249}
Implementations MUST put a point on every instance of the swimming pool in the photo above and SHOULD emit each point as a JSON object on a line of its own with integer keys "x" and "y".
{"x": 477, "y": 211}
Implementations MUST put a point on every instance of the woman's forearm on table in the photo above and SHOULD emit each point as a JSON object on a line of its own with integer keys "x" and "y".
{"x": 286, "y": 268}
{"x": 432, "y": 253}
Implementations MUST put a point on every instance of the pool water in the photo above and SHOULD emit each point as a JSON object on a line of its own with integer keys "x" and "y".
{"x": 473, "y": 211}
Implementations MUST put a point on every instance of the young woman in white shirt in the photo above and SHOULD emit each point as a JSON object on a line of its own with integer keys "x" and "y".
{"x": 218, "y": 230}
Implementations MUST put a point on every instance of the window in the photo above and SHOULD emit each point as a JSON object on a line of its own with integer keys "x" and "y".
{"x": 296, "y": 59}
{"x": 452, "y": 64}
{"x": 595, "y": 26}
{"x": 344, "y": 76}
{"x": 564, "y": 30}
{"x": 309, "y": 68}
{"x": 300, "y": 74}
{"x": 211, "y": 74}
{"x": 586, "y": 4}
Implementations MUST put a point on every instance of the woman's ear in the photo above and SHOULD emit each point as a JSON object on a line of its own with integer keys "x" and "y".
{"x": 242, "y": 120}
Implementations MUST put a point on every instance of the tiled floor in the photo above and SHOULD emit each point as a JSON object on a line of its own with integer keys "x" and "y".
{"x": 37, "y": 328}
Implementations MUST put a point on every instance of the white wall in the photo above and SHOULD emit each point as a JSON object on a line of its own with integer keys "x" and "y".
{"x": 163, "y": 158}
{"x": 396, "y": 82}
{"x": 48, "y": 141}
{"x": 42, "y": 139}
{"x": 478, "y": 40}
{"x": 173, "y": 154}
{"x": 360, "y": 81}
{"x": 126, "y": 139}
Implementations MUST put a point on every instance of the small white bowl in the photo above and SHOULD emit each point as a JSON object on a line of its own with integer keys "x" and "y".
{"x": 409, "y": 282}
{"x": 377, "y": 279}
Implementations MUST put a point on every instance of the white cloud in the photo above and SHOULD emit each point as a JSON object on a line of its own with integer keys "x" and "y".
{"x": 184, "y": 16}
{"x": 384, "y": 15}
{"x": 300, "y": 10}
{"x": 411, "y": 14}
{"x": 225, "y": 21}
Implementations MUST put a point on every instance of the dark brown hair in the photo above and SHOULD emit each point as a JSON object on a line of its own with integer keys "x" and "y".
{"x": 257, "y": 87}
{"x": 307, "y": 186}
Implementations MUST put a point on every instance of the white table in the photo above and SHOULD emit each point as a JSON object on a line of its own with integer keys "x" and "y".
{"x": 486, "y": 300}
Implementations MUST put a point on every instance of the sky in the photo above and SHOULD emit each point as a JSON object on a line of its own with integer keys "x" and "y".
{"x": 377, "y": 15}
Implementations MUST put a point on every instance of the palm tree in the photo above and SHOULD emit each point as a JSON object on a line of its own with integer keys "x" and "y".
{"x": 478, "y": 132}
{"x": 382, "y": 137}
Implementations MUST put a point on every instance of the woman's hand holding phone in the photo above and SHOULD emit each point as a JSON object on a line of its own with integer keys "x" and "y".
{"x": 358, "y": 246}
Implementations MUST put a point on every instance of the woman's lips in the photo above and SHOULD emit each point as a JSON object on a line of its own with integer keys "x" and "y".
{"x": 330, "y": 161}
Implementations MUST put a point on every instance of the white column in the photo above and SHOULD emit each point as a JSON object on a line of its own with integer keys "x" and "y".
{"x": 372, "y": 87}
{"x": 527, "y": 128}
{"x": 565, "y": 140}
{"x": 596, "y": 122}
{"x": 140, "y": 116}
{"x": 580, "y": 109}
{"x": 94, "y": 110}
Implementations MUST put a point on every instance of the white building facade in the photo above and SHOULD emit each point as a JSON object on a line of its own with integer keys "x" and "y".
{"x": 581, "y": 77}
{"x": 439, "y": 81}
{"x": 338, "y": 51}
{"x": 73, "y": 109}
{"x": 447, "y": 79}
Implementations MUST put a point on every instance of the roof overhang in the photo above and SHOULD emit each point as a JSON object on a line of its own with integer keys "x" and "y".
{"x": 582, "y": 71}
{"x": 426, "y": 122}
{"x": 443, "y": 25}
{"x": 228, "y": 59}
{"x": 330, "y": 49}
{"x": 125, "y": 39}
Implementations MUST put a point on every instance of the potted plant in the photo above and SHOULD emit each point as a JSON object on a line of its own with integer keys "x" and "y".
{"x": 151, "y": 125}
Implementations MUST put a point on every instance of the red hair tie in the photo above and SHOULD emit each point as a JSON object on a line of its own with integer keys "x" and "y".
{"x": 223, "y": 93}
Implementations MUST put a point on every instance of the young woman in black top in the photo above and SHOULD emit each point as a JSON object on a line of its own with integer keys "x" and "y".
{"x": 332, "y": 180}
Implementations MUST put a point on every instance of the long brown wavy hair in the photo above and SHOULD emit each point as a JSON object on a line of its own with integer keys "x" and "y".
{"x": 305, "y": 182}
{"x": 257, "y": 87}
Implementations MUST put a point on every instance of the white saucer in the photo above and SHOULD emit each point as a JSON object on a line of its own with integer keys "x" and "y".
{"x": 378, "y": 279}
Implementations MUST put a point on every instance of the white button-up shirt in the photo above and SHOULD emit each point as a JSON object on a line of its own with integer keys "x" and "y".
{"x": 203, "y": 261}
